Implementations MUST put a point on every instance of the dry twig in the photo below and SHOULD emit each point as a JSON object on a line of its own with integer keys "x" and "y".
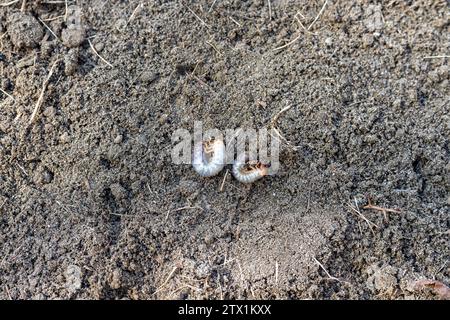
{"x": 180, "y": 209}
{"x": 370, "y": 206}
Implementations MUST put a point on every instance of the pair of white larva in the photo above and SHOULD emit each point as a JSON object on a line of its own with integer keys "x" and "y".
{"x": 209, "y": 159}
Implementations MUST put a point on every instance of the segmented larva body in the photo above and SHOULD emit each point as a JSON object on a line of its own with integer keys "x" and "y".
{"x": 246, "y": 173}
{"x": 209, "y": 157}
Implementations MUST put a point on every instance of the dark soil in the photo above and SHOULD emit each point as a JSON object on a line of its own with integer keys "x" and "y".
{"x": 91, "y": 205}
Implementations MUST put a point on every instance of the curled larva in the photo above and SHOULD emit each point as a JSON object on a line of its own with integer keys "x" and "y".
{"x": 209, "y": 157}
{"x": 247, "y": 173}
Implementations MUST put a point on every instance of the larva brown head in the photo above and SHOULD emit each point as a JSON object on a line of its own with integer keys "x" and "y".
{"x": 263, "y": 170}
{"x": 210, "y": 145}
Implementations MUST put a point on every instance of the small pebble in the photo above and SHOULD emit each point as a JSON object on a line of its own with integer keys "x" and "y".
{"x": 50, "y": 112}
{"x": 73, "y": 36}
{"x": 26, "y": 62}
{"x": 24, "y": 30}
{"x": 209, "y": 239}
{"x": 73, "y": 278}
{"x": 64, "y": 138}
{"x": 116, "y": 279}
{"x": 43, "y": 176}
{"x": 75, "y": 33}
{"x": 367, "y": 40}
{"x": 163, "y": 118}
{"x": 118, "y": 139}
{"x": 47, "y": 176}
{"x": 46, "y": 49}
{"x": 71, "y": 61}
{"x": 99, "y": 46}
{"x": 118, "y": 191}
{"x": 148, "y": 76}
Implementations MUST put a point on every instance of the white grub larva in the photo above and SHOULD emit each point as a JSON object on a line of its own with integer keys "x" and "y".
{"x": 209, "y": 157}
{"x": 247, "y": 173}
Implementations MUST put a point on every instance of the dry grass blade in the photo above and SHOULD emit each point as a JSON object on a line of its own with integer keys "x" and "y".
{"x": 223, "y": 181}
{"x": 8, "y": 3}
{"x": 210, "y": 8}
{"x": 289, "y": 43}
{"x": 299, "y": 35}
{"x": 302, "y": 26}
{"x": 181, "y": 209}
{"x": 437, "y": 57}
{"x": 277, "y": 131}
{"x": 198, "y": 18}
{"x": 133, "y": 15}
{"x": 98, "y": 55}
{"x": 276, "y": 272}
{"x": 215, "y": 48}
{"x": 166, "y": 281}
{"x": 325, "y": 270}
{"x": 41, "y": 96}
{"x": 318, "y": 16}
{"x": 358, "y": 213}
{"x": 329, "y": 276}
{"x": 237, "y": 23}
{"x": 66, "y": 5}
{"x": 48, "y": 28}
{"x": 186, "y": 208}
{"x": 7, "y": 94}
{"x": 277, "y": 116}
